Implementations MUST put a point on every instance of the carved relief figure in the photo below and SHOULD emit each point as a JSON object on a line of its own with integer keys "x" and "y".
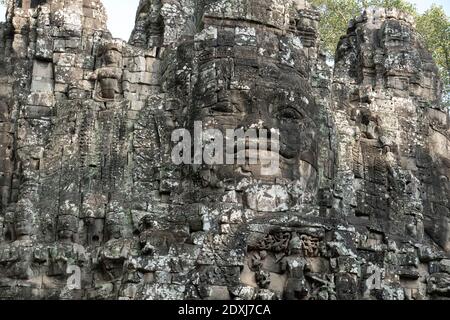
{"x": 109, "y": 77}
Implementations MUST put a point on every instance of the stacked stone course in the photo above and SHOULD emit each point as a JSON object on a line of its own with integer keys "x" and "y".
{"x": 92, "y": 206}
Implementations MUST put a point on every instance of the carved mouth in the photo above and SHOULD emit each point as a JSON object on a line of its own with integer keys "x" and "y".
{"x": 288, "y": 155}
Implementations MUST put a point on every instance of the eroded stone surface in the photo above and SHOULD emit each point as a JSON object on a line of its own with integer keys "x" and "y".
{"x": 92, "y": 206}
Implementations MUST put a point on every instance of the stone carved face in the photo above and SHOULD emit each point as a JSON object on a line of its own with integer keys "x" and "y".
{"x": 23, "y": 229}
{"x": 268, "y": 90}
{"x": 23, "y": 221}
{"x": 284, "y": 108}
{"x": 400, "y": 62}
{"x": 115, "y": 222}
{"x": 112, "y": 56}
{"x": 114, "y": 229}
{"x": 67, "y": 224}
{"x": 67, "y": 228}
{"x": 395, "y": 33}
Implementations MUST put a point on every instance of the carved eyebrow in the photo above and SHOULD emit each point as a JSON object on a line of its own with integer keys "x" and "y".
{"x": 293, "y": 110}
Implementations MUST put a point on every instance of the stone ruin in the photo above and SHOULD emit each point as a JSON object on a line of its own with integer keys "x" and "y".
{"x": 92, "y": 206}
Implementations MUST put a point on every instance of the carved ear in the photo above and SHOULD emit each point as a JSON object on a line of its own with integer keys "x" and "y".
{"x": 446, "y": 162}
{"x": 4, "y": 110}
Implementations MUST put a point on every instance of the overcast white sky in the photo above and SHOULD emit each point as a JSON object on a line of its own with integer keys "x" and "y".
{"x": 122, "y": 13}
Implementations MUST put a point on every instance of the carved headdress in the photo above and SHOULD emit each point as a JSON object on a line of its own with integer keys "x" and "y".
{"x": 111, "y": 45}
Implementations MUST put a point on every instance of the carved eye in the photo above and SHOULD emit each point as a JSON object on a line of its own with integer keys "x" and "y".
{"x": 290, "y": 114}
{"x": 223, "y": 107}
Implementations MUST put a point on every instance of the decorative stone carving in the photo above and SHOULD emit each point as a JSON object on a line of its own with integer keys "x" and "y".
{"x": 310, "y": 246}
{"x": 357, "y": 207}
{"x": 109, "y": 77}
{"x": 24, "y": 221}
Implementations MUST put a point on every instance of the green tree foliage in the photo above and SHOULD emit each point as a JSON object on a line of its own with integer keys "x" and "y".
{"x": 336, "y": 15}
{"x": 334, "y": 21}
{"x": 434, "y": 26}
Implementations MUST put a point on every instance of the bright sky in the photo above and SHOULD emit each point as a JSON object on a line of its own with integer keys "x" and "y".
{"x": 122, "y": 13}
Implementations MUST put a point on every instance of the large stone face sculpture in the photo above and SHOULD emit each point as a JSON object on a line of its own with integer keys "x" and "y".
{"x": 254, "y": 77}
{"x": 238, "y": 75}
{"x": 388, "y": 95}
{"x": 93, "y": 206}
{"x": 392, "y": 101}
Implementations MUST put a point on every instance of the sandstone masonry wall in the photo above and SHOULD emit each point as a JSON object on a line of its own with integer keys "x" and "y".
{"x": 92, "y": 206}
